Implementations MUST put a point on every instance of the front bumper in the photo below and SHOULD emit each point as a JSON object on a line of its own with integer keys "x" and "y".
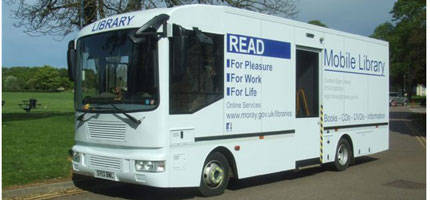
{"x": 120, "y": 164}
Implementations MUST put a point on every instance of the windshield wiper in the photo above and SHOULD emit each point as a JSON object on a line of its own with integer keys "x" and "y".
{"x": 80, "y": 118}
{"x": 127, "y": 115}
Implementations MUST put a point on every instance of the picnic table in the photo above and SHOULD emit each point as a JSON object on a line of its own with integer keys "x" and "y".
{"x": 29, "y": 104}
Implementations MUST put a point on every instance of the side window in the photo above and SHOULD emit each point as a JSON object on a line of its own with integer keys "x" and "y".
{"x": 200, "y": 80}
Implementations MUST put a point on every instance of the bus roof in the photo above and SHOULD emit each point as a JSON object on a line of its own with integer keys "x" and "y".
{"x": 207, "y": 14}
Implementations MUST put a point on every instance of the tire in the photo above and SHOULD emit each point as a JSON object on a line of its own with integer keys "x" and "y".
{"x": 343, "y": 155}
{"x": 405, "y": 103}
{"x": 215, "y": 175}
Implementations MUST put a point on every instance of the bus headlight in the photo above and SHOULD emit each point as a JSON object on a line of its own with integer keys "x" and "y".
{"x": 76, "y": 157}
{"x": 150, "y": 166}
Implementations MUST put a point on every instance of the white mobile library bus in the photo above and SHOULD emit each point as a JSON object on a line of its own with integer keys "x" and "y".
{"x": 191, "y": 96}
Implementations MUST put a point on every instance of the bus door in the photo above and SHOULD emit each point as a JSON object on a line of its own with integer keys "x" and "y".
{"x": 308, "y": 103}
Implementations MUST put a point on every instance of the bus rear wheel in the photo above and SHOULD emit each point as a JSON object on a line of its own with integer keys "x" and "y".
{"x": 215, "y": 175}
{"x": 343, "y": 155}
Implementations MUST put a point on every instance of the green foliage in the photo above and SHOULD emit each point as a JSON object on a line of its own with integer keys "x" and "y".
{"x": 66, "y": 83}
{"x": 383, "y": 31}
{"x": 36, "y": 144}
{"x": 21, "y": 73}
{"x": 44, "y": 78}
{"x": 407, "y": 37}
{"x": 11, "y": 83}
{"x": 408, "y": 9}
{"x": 317, "y": 22}
{"x": 63, "y": 72}
{"x": 47, "y": 79}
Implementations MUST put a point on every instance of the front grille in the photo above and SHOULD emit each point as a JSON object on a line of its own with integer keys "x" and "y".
{"x": 107, "y": 130}
{"x": 104, "y": 163}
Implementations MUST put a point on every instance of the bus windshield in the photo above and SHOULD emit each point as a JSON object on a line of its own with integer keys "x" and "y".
{"x": 113, "y": 71}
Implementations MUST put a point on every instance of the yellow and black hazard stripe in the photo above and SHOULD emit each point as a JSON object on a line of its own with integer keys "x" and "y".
{"x": 321, "y": 134}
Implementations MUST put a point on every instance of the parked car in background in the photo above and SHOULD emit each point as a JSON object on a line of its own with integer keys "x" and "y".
{"x": 396, "y": 98}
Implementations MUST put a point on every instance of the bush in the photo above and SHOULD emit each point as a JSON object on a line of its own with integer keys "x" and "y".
{"x": 42, "y": 79}
{"x": 11, "y": 83}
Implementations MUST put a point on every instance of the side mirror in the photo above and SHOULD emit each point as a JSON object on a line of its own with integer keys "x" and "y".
{"x": 150, "y": 28}
{"x": 71, "y": 60}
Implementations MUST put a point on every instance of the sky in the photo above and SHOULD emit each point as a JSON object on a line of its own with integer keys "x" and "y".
{"x": 354, "y": 16}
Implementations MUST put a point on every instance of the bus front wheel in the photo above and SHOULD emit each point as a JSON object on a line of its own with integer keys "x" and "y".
{"x": 215, "y": 175}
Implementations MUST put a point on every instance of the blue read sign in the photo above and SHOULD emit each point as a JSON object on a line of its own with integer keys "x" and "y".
{"x": 258, "y": 46}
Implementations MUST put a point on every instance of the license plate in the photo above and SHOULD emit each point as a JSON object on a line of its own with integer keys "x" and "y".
{"x": 105, "y": 175}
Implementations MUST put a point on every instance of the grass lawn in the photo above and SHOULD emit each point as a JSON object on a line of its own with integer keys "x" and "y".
{"x": 36, "y": 144}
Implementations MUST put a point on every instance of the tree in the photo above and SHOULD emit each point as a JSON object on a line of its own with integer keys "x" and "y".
{"x": 30, "y": 84}
{"x": 61, "y": 17}
{"x": 66, "y": 83}
{"x": 47, "y": 78}
{"x": 11, "y": 83}
{"x": 383, "y": 31}
{"x": 64, "y": 79}
{"x": 407, "y": 37}
{"x": 386, "y": 32}
{"x": 317, "y": 22}
{"x": 36, "y": 78}
{"x": 22, "y": 74}
{"x": 63, "y": 72}
{"x": 4, "y": 75}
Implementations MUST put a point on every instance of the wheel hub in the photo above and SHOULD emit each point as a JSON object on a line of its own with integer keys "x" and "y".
{"x": 213, "y": 174}
{"x": 342, "y": 154}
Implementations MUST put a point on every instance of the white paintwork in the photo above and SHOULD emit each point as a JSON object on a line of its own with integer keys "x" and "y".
{"x": 340, "y": 93}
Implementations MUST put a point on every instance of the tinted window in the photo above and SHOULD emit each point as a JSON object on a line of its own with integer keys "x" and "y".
{"x": 200, "y": 79}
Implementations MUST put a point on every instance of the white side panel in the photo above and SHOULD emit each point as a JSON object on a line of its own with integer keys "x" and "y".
{"x": 308, "y": 38}
{"x": 205, "y": 122}
{"x": 255, "y": 157}
{"x": 278, "y": 86}
{"x": 365, "y": 141}
{"x": 378, "y": 86}
{"x": 355, "y": 82}
{"x": 242, "y": 99}
{"x": 355, "y": 86}
{"x": 307, "y": 139}
{"x": 272, "y": 154}
{"x": 187, "y": 164}
{"x": 332, "y": 92}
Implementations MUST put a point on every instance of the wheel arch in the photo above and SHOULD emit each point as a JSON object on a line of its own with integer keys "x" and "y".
{"x": 231, "y": 161}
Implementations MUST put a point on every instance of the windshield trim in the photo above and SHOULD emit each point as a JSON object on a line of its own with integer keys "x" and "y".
{"x": 78, "y": 82}
{"x": 113, "y": 110}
